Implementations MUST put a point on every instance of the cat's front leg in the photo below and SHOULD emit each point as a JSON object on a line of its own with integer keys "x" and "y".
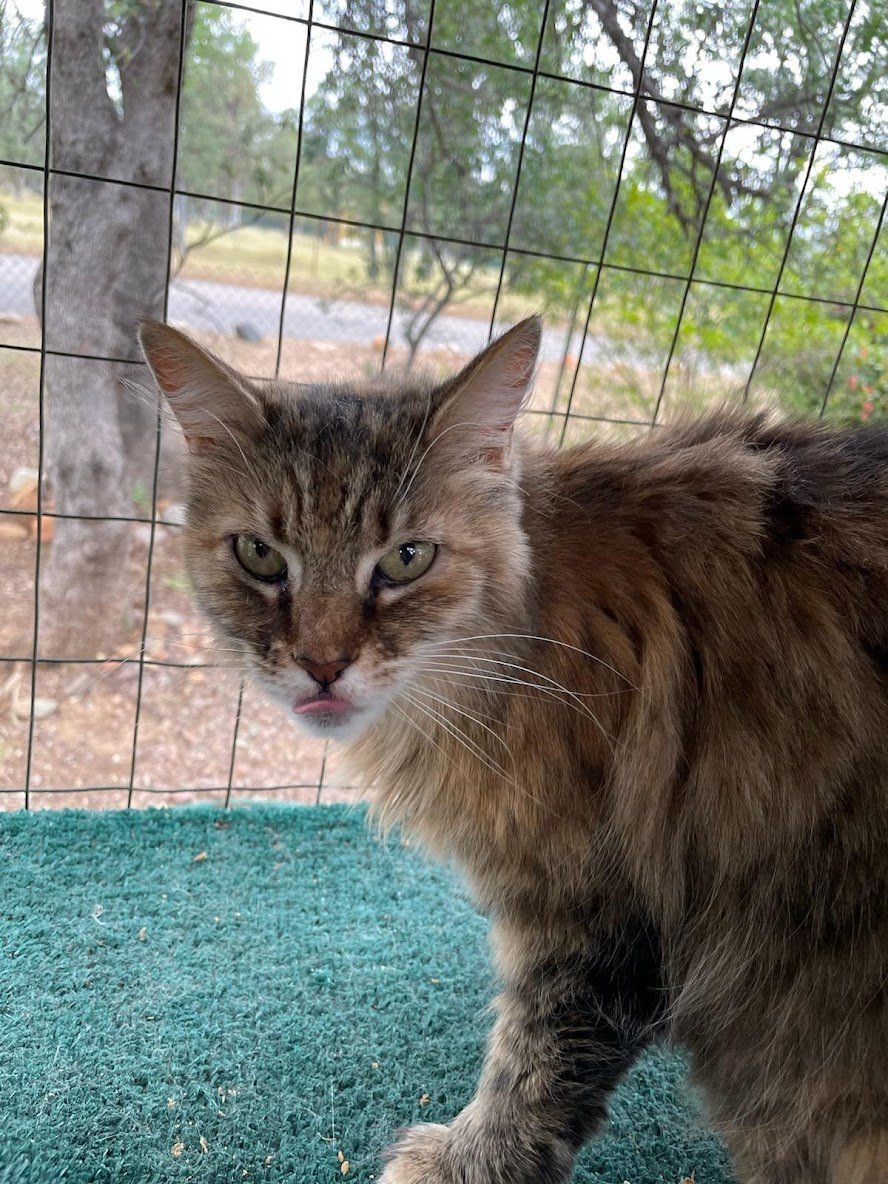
{"x": 570, "y": 1022}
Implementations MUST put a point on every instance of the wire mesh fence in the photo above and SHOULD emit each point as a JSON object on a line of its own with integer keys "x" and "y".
{"x": 694, "y": 194}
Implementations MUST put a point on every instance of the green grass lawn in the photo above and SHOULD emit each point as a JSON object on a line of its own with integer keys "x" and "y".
{"x": 21, "y": 223}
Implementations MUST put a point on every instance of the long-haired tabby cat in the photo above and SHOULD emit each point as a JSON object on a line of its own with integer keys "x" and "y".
{"x": 639, "y": 692}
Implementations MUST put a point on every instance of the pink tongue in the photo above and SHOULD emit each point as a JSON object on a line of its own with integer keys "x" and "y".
{"x": 323, "y": 707}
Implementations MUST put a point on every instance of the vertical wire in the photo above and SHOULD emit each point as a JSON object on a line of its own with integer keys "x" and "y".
{"x": 702, "y": 227}
{"x": 280, "y": 345}
{"x": 321, "y": 775}
{"x": 533, "y": 82}
{"x": 158, "y": 428}
{"x": 280, "y": 341}
{"x": 639, "y": 82}
{"x": 233, "y": 759}
{"x": 41, "y": 401}
{"x": 403, "y": 228}
{"x": 855, "y": 305}
{"x": 296, "y": 166}
{"x": 798, "y": 208}
{"x": 565, "y": 353}
{"x": 47, "y": 172}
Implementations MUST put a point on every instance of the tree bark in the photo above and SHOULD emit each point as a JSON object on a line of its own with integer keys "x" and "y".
{"x": 106, "y": 269}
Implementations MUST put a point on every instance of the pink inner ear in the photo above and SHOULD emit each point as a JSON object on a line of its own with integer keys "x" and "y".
{"x": 169, "y": 371}
{"x": 520, "y": 367}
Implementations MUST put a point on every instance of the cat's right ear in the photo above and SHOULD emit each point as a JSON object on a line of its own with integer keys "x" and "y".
{"x": 210, "y": 401}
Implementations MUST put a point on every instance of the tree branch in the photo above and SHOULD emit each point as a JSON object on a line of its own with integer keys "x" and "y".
{"x": 664, "y": 148}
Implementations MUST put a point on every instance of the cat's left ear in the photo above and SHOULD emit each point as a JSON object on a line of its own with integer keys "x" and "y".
{"x": 480, "y": 405}
{"x": 212, "y": 402}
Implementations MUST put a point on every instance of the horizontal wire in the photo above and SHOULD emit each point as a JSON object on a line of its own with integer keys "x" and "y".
{"x": 133, "y": 661}
{"x": 90, "y": 517}
{"x": 431, "y": 236}
{"x": 512, "y": 67}
{"x": 695, "y": 281}
{"x": 220, "y": 789}
{"x": 643, "y": 91}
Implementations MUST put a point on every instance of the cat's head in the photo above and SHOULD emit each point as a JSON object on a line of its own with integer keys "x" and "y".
{"x": 339, "y": 534}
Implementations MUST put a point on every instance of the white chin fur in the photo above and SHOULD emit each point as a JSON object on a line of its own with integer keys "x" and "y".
{"x": 332, "y": 727}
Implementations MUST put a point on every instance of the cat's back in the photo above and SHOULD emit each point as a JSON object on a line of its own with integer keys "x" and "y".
{"x": 744, "y": 562}
{"x": 748, "y": 488}
{"x": 816, "y": 475}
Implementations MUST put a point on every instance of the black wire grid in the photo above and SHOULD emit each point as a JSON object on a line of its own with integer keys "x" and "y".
{"x": 593, "y": 264}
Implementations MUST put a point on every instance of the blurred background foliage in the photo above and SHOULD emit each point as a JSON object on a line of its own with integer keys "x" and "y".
{"x": 685, "y": 187}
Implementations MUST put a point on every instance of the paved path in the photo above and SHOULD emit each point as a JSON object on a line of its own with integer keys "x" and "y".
{"x": 207, "y": 305}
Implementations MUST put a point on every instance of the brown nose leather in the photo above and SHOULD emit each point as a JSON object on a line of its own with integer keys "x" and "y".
{"x": 324, "y": 672}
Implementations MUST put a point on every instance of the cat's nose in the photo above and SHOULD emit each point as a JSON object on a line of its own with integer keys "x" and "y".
{"x": 324, "y": 672}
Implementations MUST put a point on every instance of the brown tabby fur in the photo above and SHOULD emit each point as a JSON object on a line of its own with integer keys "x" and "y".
{"x": 677, "y": 814}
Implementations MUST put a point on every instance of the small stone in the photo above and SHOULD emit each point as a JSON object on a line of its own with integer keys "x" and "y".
{"x": 177, "y": 1148}
{"x": 14, "y": 531}
{"x": 23, "y": 478}
{"x": 200, "y": 857}
{"x": 143, "y": 934}
{"x": 174, "y": 515}
{"x": 80, "y": 685}
{"x": 142, "y": 536}
{"x": 204, "y": 1146}
{"x": 42, "y": 707}
{"x": 424, "y": 1100}
{"x": 344, "y": 1166}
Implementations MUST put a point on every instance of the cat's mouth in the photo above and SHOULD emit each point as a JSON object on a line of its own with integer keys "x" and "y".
{"x": 330, "y": 716}
{"x": 325, "y": 703}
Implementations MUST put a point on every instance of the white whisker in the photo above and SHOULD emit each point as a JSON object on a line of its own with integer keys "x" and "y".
{"x": 419, "y": 436}
{"x": 225, "y": 426}
{"x": 461, "y": 738}
{"x": 423, "y": 732}
{"x": 460, "y": 711}
{"x": 440, "y": 435}
{"x": 554, "y": 682}
{"x": 530, "y": 670}
{"x": 549, "y": 640}
{"x": 556, "y": 692}
{"x": 459, "y": 735}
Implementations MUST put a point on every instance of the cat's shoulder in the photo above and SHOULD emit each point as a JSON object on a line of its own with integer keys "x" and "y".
{"x": 820, "y": 460}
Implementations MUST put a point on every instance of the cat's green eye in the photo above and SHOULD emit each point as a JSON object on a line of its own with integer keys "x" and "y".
{"x": 258, "y": 558}
{"x": 406, "y": 563}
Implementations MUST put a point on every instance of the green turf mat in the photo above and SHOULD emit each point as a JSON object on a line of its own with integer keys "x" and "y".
{"x": 191, "y": 995}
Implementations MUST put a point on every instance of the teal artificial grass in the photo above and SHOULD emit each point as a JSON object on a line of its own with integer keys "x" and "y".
{"x": 192, "y": 995}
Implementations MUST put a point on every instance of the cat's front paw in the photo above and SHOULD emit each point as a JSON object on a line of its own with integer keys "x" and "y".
{"x": 421, "y": 1156}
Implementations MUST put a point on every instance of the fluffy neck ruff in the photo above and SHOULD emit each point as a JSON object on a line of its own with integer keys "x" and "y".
{"x": 499, "y": 753}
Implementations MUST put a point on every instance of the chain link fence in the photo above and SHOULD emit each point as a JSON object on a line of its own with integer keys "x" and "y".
{"x": 693, "y": 194}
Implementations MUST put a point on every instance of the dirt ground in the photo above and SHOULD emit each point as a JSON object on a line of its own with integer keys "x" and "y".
{"x": 189, "y": 744}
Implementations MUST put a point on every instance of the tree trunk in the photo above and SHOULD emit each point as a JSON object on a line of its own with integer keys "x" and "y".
{"x": 106, "y": 270}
